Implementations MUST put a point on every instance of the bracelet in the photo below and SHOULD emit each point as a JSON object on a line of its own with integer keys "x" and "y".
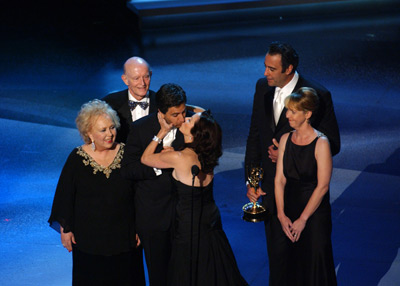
{"x": 158, "y": 140}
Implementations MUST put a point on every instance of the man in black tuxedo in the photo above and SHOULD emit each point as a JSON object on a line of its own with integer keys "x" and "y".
{"x": 136, "y": 101}
{"x": 268, "y": 124}
{"x": 132, "y": 104}
{"x": 154, "y": 195}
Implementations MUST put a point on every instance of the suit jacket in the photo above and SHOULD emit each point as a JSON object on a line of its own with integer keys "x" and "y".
{"x": 154, "y": 195}
{"x": 263, "y": 130}
{"x": 119, "y": 102}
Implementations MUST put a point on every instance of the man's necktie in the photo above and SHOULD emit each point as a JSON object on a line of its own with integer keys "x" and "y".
{"x": 278, "y": 106}
{"x": 132, "y": 104}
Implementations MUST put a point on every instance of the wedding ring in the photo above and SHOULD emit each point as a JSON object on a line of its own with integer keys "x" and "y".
{"x": 294, "y": 235}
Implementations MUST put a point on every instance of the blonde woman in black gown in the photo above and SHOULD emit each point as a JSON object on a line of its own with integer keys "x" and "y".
{"x": 302, "y": 179}
{"x": 93, "y": 206}
{"x": 201, "y": 254}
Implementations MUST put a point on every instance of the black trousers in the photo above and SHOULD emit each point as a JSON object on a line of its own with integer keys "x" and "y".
{"x": 125, "y": 269}
{"x": 157, "y": 250}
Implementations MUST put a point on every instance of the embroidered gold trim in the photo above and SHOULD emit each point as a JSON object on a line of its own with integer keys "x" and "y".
{"x": 88, "y": 160}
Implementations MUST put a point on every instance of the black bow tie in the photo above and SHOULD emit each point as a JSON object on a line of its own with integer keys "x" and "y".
{"x": 132, "y": 104}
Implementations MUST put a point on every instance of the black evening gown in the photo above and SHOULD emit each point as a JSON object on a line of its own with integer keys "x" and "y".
{"x": 96, "y": 204}
{"x": 310, "y": 260}
{"x": 213, "y": 261}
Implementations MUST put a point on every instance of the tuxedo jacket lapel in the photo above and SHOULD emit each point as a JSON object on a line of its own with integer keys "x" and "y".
{"x": 125, "y": 110}
{"x": 179, "y": 141}
{"x": 282, "y": 120}
{"x": 153, "y": 104}
{"x": 269, "y": 111}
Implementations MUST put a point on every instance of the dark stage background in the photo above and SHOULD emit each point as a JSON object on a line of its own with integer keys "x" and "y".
{"x": 57, "y": 55}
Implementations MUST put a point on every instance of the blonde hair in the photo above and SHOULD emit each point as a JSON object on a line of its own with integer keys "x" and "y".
{"x": 304, "y": 99}
{"x": 88, "y": 115}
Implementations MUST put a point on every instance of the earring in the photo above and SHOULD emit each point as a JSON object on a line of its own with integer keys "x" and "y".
{"x": 93, "y": 146}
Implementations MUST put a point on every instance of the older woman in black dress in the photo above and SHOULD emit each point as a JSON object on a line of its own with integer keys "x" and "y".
{"x": 93, "y": 205}
{"x": 302, "y": 179}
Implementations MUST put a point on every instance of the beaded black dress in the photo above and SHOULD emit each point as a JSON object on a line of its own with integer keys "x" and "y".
{"x": 95, "y": 203}
{"x": 211, "y": 257}
{"x": 310, "y": 260}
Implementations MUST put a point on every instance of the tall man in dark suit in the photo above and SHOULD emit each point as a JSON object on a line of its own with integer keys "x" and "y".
{"x": 136, "y": 101}
{"x": 268, "y": 124}
{"x": 154, "y": 195}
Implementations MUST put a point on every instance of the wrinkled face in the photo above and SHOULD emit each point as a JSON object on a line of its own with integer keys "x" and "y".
{"x": 187, "y": 126}
{"x": 103, "y": 132}
{"x": 273, "y": 71}
{"x": 176, "y": 115}
{"x": 297, "y": 118}
{"x": 137, "y": 77}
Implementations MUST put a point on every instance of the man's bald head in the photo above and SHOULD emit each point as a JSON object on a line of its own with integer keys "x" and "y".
{"x": 137, "y": 76}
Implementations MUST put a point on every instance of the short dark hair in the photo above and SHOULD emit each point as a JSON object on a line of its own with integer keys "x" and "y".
{"x": 288, "y": 54}
{"x": 170, "y": 95}
{"x": 207, "y": 141}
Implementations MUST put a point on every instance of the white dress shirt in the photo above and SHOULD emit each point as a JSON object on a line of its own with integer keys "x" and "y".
{"x": 281, "y": 94}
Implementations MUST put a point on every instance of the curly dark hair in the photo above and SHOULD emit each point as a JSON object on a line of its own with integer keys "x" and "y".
{"x": 207, "y": 141}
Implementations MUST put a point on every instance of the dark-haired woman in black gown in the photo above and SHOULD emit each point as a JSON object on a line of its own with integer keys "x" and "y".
{"x": 302, "y": 179}
{"x": 201, "y": 254}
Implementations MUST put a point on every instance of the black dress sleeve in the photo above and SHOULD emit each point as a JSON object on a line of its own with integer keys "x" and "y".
{"x": 63, "y": 204}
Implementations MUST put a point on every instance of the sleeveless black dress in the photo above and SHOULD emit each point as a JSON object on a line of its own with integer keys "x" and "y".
{"x": 213, "y": 262}
{"x": 310, "y": 260}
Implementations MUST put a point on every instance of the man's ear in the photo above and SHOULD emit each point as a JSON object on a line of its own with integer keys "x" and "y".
{"x": 161, "y": 114}
{"x": 125, "y": 79}
{"x": 289, "y": 70}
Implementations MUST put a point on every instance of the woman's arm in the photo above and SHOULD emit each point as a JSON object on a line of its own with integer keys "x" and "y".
{"x": 324, "y": 172}
{"x": 194, "y": 108}
{"x": 161, "y": 160}
{"x": 280, "y": 182}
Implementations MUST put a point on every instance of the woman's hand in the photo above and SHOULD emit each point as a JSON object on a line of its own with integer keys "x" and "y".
{"x": 297, "y": 228}
{"x": 165, "y": 127}
{"x": 67, "y": 239}
{"x": 287, "y": 226}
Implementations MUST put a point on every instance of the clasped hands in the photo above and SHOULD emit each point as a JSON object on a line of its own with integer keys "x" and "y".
{"x": 292, "y": 230}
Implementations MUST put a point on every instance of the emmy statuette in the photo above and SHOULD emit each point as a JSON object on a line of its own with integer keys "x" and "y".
{"x": 254, "y": 212}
